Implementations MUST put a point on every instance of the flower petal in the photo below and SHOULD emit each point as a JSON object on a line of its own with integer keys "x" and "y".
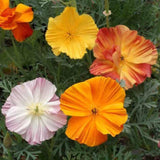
{"x": 7, "y": 19}
{"x": 107, "y": 38}
{"x": 54, "y": 121}
{"x": 6, "y": 106}
{"x": 124, "y": 55}
{"x": 83, "y": 130}
{"x": 104, "y": 68}
{"x": 43, "y": 90}
{"x": 22, "y": 31}
{"x": 138, "y": 49}
{"x": 106, "y": 127}
{"x": 23, "y": 13}
{"x": 110, "y": 93}
{"x": 114, "y": 113}
{"x": 71, "y": 34}
{"x": 21, "y": 95}
{"x": 87, "y": 30}
{"x": 37, "y": 132}
{"x": 76, "y": 100}
{"x": 4, "y": 5}
{"x": 18, "y": 120}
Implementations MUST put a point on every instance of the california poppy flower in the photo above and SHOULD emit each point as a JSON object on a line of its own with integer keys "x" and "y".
{"x": 96, "y": 107}
{"x": 71, "y": 33}
{"x": 16, "y": 19}
{"x": 122, "y": 54}
{"x": 32, "y": 110}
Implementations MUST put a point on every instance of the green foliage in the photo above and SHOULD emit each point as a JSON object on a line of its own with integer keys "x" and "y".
{"x": 20, "y": 62}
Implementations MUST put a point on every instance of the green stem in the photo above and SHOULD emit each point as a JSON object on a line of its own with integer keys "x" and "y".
{"x": 64, "y": 3}
{"x": 51, "y": 147}
{"x": 89, "y": 59}
{"x": 58, "y": 72}
{"x": 17, "y": 54}
{"x": 151, "y": 139}
{"x": 2, "y": 37}
{"x": 107, "y": 10}
{"x": 9, "y": 155}
{"x": 12, "y": 59}
{"x": 73, "y": 3}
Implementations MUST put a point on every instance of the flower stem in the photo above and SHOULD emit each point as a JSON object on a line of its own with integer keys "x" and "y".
{"x": 58, "y": 72}
{"x": 151, "y": 139}
{"x": 9, "y": 155}
{"x": 51, "y": 147}
{"x": 70, "y": 3}
{"x": 17, "y": 54}
{"x": 89, "y": 59}
{"x": 73, "y": 3}
{"x": 107, "y": 10}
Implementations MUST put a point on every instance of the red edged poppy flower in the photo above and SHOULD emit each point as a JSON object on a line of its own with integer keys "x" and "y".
{"x": 123, "y": 55}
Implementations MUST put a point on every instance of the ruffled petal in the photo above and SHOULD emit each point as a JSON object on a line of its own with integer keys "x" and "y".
{"x": 77, "y": 100}
{"x": 43, "y": 91}
{"x": 87, "y": 30}
{"x": 110, "y": 93}
{"x": 124, "y": 55}
{"x": 110, "y": 118}
{"x": 83, "y": 130}
{"x": 22, "y": 31}
{"x": 105, "y": 126}
{"x": 71, "y": 34}
{"x": 37, "y": 132}
{"x": 18, "y": 119}
{"x": 135, "y": 73}
{"x": 54, "y": 121}
{"x": 21, "y": 95}
{"x": 137, "y": 49}
{"x": 6, "y": 106}
{"x": 7, "y": 19}
{"x": 23, "y": 14}
{"x": 104, "y": 68}
{"x": 4, "y": 5}
{"x": 107, "y": 38}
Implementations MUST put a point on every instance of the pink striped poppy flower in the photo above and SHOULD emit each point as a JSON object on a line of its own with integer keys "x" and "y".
{"x": 32, "y": 110}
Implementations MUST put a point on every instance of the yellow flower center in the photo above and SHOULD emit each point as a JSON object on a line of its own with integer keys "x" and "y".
{"x": 94, "y": 111}
{"x": 122, "y": 58}
{"x": 69, "y": 36}
{"x": 36, "y": 109}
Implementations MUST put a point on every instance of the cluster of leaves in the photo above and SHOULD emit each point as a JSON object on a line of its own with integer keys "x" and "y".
{"x": 33, "y": 58}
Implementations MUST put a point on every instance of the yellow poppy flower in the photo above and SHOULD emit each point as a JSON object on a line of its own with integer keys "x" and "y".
{"x": 71, "y": 33}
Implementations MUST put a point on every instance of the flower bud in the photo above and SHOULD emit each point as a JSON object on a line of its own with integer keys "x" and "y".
{"x": 7, "y": 141}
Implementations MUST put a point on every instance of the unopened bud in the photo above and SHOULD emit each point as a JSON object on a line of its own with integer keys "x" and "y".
{"x": 7, "y": 141}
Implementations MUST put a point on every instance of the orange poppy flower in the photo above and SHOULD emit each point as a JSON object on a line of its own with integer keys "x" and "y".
{"x": 122, "y": 54}
{"x": 16, "y": 19}
{"x": 96, "y": 107}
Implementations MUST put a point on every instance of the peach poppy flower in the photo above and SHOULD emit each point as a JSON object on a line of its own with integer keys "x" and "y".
{"x": 16, "y": 19}
{"x": 96, "y": 107}
{"x": 71, "y": 33}
{"x": 122, "y": 54}
{"x": 32, "y": 110}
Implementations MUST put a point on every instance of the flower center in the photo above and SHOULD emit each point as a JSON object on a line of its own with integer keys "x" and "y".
{"x": 94, "y": 111}
{"x": 36, "y": 109}
{"x": 68, "y": 36}
{"x": 122, "y": 58}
